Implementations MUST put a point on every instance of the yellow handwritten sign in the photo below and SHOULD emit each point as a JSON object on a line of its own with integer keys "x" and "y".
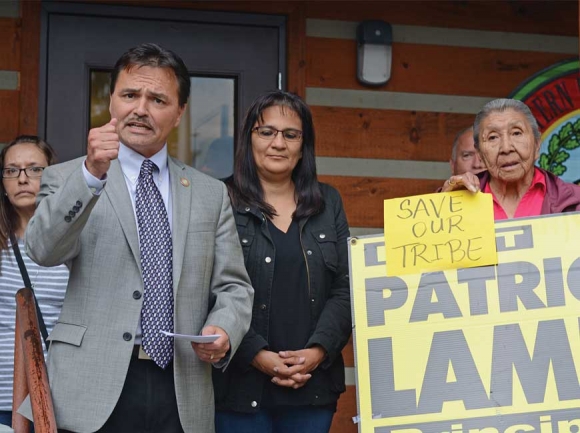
{"x": 439, "y": 231}
{"x": 492, "y": 349}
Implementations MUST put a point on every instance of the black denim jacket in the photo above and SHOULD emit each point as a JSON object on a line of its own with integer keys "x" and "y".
{"x": 324, "y": 244}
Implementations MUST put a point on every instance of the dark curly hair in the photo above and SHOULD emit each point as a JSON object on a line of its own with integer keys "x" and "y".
{"x": 149, "y": 54}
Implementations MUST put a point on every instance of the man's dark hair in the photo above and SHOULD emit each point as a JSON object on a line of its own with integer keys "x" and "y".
{"x": 150, "y": 54}
{"x": 245, "y": 187}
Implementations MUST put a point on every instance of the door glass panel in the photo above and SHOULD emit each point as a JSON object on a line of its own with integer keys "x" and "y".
{"x": 204, "y": 138}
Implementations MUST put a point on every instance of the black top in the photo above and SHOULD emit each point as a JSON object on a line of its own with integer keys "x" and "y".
{"x": 240, "y": 387}
{"x": 289, "y": 327}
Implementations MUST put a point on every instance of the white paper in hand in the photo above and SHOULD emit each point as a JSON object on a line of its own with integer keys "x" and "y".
{"x": 195, "y": 338}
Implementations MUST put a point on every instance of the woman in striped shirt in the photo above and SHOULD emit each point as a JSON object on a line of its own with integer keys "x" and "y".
{"x": 22, "y": 162}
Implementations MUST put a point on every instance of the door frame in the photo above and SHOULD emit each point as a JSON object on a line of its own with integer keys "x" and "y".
{"x": 48, "y": 8}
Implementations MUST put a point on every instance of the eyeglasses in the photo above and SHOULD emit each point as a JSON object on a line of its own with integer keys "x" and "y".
{"x": 14, "y": 173}
{"x": 269, "y": 133}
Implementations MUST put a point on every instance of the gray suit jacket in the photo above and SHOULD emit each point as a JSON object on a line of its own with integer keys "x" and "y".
{"x": 96, "y": 236}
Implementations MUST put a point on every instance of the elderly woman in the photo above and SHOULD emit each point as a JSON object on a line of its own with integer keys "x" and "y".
{"x": 507, "y": 138}
{"x": 288, "y": 372}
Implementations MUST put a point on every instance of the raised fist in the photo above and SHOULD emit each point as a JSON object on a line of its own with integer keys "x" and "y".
{"x": 103, "y": 147}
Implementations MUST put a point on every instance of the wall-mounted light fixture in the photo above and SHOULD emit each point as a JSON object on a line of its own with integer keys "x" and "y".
{"x": 374, "y": 40}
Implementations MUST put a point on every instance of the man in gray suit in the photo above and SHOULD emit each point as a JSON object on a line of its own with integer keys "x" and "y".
{"x": 110, "y": 367}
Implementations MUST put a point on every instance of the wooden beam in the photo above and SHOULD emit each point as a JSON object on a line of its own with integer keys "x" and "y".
{"x": 345, "y": 411}
{"x": 30, "y": 346}
{"x": 9, "y": 112}
{"x": 522, "y": 16}
{"x": 429, "y": 69}
{"x": 386, "y": 134}
{"x": 10, "y": 47}
{"x": 363, "y": 196}
{"x": 29, "y": 67}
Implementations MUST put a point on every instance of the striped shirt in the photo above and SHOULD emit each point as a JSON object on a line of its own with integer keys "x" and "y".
{"x": 49, "y": 285}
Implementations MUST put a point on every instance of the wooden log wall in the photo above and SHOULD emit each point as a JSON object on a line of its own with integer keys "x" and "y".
{"x": 9, "y": 66}
{"x": 448, "y": 59}
{"x": 19, "y": 57}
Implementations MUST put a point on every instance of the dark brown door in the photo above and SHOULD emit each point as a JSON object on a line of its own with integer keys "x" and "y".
{"x": 232, "y": 58}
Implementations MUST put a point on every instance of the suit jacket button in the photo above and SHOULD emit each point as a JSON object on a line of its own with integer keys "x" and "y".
{"x": 136, "y": 294}
{"x": 263, "y": 307}
{"x": 72, "y": 213}
{"x": 67, "y": 219}
{"x": 127, "y": 336}
{"x": 76, "y": 208}
{"x": 254, "y": 404}
{"x": 79, "y": 203}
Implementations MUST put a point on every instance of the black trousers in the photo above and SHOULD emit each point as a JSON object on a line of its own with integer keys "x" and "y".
{"x": 147, "y": 403}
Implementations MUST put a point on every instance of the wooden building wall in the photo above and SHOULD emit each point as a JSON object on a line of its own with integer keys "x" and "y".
{"x": 19, "y": 57}
{"x": 449, "y": 58}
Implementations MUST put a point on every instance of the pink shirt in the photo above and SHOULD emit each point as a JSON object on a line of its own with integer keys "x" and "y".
{"x": 531, "y": 203}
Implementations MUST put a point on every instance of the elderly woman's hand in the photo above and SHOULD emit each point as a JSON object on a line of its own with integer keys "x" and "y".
{"x": 467, "y": 181}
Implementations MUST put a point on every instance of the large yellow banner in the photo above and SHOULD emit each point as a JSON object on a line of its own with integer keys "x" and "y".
{"x": 475, "y": 350}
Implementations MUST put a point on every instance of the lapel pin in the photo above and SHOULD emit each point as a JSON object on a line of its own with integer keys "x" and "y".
{"x": 184, "y": 182}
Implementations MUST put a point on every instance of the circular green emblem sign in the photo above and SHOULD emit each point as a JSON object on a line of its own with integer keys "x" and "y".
{"x": 553, "y": 95}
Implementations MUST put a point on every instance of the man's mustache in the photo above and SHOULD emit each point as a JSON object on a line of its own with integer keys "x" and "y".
{"x": 141, "y": 120}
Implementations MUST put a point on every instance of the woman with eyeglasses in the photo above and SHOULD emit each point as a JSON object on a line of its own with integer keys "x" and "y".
{"x": 22, "y": 162}
{"x": 288, "y": 372}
